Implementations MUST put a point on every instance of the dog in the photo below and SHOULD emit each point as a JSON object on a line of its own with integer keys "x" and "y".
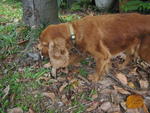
{"x": 102, "y": 37}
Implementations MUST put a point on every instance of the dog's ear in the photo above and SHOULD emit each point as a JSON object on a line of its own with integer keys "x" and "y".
{"x": 57, "y": 47}
{"x": 58, "y": 53}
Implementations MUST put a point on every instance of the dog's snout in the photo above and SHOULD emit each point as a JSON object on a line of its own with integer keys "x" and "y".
{"x": 39, "y": 47}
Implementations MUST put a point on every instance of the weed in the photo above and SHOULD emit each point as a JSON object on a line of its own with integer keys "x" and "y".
{"x": 83, "y": 72}
{"x": 22, "y": 90}
{"x": 136, "y": 5}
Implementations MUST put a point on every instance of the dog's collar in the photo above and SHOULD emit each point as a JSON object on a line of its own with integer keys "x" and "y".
{"x": 73, "y": 40}
{"x": 72, "y": 34}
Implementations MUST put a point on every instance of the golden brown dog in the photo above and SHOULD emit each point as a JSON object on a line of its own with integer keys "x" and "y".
{"x": 100, "y": 36}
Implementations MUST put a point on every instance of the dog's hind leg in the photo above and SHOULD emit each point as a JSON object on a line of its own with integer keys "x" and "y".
{"x": 131, "y": 53}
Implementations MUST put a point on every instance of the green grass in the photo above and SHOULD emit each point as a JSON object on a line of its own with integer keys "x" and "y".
{"x": 22, "y": 90}
{"x": 23, "y": 84}
{"x": 10, "y": 11}
{"x": 11, "y": 32}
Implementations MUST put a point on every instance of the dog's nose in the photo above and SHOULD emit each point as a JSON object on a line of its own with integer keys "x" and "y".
{"x": 39, "y": 47}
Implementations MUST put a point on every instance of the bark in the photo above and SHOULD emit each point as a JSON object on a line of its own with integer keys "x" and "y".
{"x": 37, "y": 12}
{"x": 104, "y": 5}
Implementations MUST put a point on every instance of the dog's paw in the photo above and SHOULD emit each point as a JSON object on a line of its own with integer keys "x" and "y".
{"x": 93, "y": 77}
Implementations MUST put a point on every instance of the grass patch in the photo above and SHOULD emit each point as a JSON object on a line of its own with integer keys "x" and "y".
{"x": 21, "y": 86}
{"x": 10, "y": 11}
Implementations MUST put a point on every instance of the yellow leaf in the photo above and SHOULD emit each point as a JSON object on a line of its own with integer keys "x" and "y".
{"x": 134, "y": 101}
{"x": 75, "y": 83}
{"x": 130, "y": 84}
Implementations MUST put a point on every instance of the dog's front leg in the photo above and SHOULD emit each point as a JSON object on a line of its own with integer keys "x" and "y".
{"x": 102, "y": 66}
{"x": 102, "y": 58}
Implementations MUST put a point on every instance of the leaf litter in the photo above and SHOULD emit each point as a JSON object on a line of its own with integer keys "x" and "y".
{"x": 126, "y": 90}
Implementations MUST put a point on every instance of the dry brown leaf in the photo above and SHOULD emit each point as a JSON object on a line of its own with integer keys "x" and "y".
{"x": 94, "y": 96}
{"x": 93, "y": 106}
{"x": 69, "y": 78}
{"x": 50, "y": 95}
{"x": 123, "y": 105}
{"x": 144, "y": 84}
{"x": 48, "y": 65}
{"x": 145, "y": 109}
{"x": 44, "y": 78}
{"x": 6, "y": 91}
{"x": 106, "y": 106}
{"x": 134, "y": 101}
{"x": 15, "y": 110}
{"x": 130, "y": 84}
{"x": 133, "y": 71}
{"x": 30, "y": 111}
{"x": 62, "y": 87}
{"x": 122, "y": 78}
{"x": 121, "y": 90}
{"x": 64, "y": 99}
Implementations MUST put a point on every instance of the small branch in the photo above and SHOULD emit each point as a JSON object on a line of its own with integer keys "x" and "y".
{"x": 126, "y": 87}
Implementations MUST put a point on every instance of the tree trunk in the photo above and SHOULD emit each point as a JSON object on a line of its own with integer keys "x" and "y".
{"x": 37, "y": 12}
{"x": 104, "y": 5}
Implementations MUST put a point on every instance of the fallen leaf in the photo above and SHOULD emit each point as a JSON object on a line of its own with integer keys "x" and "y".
{"x": 134, "y": 101}
{"x": 6, "y": 91}
{"x": 121, "y": 90}
{"x": 105, "y": 106}
{"x": 144, "y": 84}
{"x": 44, "y": 78}
{"x": 122, "y": 78}
{"x": 62, "y": 87}
{"x": 75, "y": 83}
{"x": 30, "y": 111}
{"x": 93, "y": 106}
{"x": 130, "y": 84}
{"x": 145, "y": 109}
{"x": 48, "y": 65}
{"x": 50, "y": 95}
{"x": 64, "y": 99}
{"x": 123, "y": 105}
{"x": 133, "y": 71}
{"x": 94, "y": 96}
{"x": 69, "y": 78}
{"x": 133, "y": 111}
{"x": 15, "y": 110}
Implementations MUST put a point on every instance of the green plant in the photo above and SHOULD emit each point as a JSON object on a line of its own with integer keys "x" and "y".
{"x": 21, "y": 90}
{"x": 136, "y": 5}
{"x": 69, "y": 18}
{"x": 83, "y": 72}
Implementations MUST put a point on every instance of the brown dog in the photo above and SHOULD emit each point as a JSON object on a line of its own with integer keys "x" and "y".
{"x": 100, "y": 36}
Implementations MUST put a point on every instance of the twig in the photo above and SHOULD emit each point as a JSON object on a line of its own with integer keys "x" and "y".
{"x": 84, "y": 79}
{"x": 140, "y": 92}
{"x": 77, "y": 106}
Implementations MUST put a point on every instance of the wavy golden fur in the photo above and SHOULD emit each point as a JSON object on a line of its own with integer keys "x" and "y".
{"x": 101, "y": 36}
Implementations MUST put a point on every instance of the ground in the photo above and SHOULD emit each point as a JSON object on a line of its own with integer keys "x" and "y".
{"x": 25, "y": 84}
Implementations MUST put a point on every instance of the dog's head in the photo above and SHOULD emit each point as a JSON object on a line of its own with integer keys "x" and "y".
{"x": 52, "y": 43}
